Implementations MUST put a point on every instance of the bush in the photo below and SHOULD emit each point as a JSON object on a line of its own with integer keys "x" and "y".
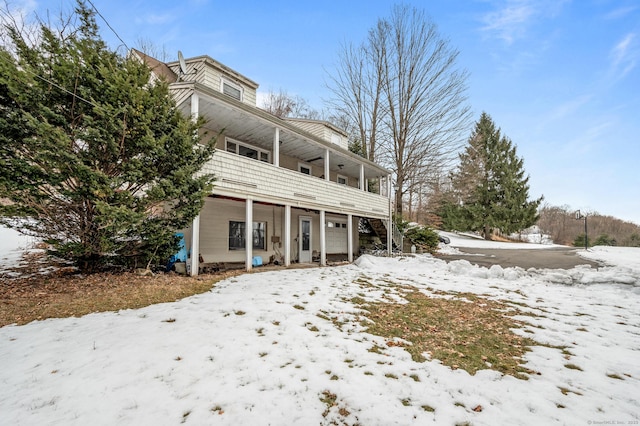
{"x": 605, "y": 240}
{"x": 423, "y": 237}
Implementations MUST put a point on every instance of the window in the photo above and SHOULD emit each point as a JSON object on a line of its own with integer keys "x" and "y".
{"x": 237, "y": 235}
{"x": 342, "y": 180}
{"x": 247, "y": 150}
{"x": 232, "y": 89}
{"x": 303, "y": 168}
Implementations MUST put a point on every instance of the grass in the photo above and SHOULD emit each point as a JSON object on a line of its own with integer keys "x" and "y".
{"x": 59, "y": 296}
{"x": 466, "y": 332}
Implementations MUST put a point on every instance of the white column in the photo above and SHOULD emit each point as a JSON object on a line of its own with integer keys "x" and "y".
{"x": 276, "y": 148}
{"x": 195, "y": 106}
{"x": 326, "y": 165}
{"x": 195, "y": 225}
{"x": 248, "y": 238}
{"x": 195, "y": 246}
{"x": 363, "y": 185}
{"x": 287, "y": 235}
{"x": 350, "y": 237}
{"x": 323, "y": 242}
{"x": 390, "y": 219}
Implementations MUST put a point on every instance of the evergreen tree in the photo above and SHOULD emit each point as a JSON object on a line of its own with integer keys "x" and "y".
{"x": 490, "y": 189}
{"x": 94, "y": 158}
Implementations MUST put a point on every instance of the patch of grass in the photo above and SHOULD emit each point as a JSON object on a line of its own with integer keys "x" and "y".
{"x": 260, "y": 331}
{"x": 581, "y": 329}
{"x": 391, "y": 376}
{"x": 567, "y": 391}
{"x": 240, "y": 312}
{"x": 466, "y": 331}
{"x": 428, "y": 408}
{"x": 572, "y": 367}
{"x": 615, "y": 376}
{"x": 329, "y": 399}
{"x": 299, "y": 307}
{"x": 415, "y": 377}
{"x": 60, "y": 295}
{"x": 323, "y": 316}
{"x": 217, "y": 409}
{"x": 368, "y": 373}
{"x": 406, "y": 402}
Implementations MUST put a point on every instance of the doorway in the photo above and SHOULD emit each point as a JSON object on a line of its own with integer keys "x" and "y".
{"x": 304, "y": 240}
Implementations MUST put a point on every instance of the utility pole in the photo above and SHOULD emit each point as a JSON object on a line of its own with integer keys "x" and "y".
{"x": 586, "y": 237}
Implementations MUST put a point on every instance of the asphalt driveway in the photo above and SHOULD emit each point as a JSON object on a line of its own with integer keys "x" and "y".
{"x": 551, "y": 258}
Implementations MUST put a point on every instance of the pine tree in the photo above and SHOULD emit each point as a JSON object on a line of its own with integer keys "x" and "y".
{"x": 94, "y": 159}
{"x": 490, "y": 189}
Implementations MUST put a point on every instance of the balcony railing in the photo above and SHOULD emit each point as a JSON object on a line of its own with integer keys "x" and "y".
{"x": 238, "y": 176}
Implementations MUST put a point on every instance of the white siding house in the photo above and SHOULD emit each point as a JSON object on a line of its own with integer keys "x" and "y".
{"x": 294, "y": 181}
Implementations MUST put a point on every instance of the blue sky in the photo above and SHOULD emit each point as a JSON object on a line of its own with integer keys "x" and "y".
{"x": 560, "y": 77}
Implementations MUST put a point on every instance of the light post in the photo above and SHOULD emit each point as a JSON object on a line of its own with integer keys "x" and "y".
{"x": 586, "y": 237}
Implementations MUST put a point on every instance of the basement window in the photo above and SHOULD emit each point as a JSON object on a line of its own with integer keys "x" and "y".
{"x": 237, "y": 234}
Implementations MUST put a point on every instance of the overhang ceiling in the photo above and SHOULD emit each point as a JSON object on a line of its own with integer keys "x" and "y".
{"x": 257, "y": 127}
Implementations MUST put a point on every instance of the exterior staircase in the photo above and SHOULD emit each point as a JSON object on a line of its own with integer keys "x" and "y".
{"x": 379, "y": 226}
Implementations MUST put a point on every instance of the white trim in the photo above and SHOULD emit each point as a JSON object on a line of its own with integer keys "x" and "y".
{"x": 248, "y": 227}
{"x": 350, "y": 238}
{"x": 195, "y": 246}
{"x": 287, "y": 235}
{"x": 323, "y": 241}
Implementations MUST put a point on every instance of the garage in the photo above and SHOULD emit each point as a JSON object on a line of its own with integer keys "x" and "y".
{"x": 336, "y": 235}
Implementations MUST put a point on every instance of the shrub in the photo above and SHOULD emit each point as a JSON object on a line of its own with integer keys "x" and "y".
{"x": 423, "y": 237}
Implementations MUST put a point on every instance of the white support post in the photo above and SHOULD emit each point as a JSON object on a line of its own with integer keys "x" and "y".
{"x": 323, "y": 242}
{"x": 287, "y": 235}
{"x": 195, "y": 246}
{"x": 350, "y": 237}
{"x": 326, "y": 165}
{"x": 248, "y": 239}
{"x": 276, "y": 147}
{"x": 195, "y": 225}
{"x": 195, "y": 106}
{"x": 363, "y": 185}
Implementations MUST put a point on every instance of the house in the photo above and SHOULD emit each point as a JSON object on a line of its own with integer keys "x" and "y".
{"x": 287, "y": 190}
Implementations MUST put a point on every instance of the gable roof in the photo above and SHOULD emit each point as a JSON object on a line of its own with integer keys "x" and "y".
{"x": 159, "y": 68}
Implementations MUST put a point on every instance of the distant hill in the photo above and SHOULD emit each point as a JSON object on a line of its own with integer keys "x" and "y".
{"x": 561, "y": 224}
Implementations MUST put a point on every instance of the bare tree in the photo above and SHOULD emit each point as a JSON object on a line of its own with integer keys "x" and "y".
{"x": 404, "y": 93}
{"x": 282, "y": 104}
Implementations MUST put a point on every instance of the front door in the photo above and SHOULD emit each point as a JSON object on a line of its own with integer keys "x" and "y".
{"x": 304, "y": 240}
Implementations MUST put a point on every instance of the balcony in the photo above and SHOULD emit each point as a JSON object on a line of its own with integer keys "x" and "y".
{"x": 241, "y": 177}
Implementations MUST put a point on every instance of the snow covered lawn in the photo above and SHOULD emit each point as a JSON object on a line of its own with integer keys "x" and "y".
{"x": 263, "y": 349}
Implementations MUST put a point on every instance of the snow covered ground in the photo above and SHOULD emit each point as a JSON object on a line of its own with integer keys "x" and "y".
{"x": 258, "y": 350}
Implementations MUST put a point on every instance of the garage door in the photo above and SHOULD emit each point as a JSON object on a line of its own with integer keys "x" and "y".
{"x": 336, "y": 234}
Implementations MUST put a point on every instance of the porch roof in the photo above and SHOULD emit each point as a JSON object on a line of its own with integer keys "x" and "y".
{"x": 253, "y": 125}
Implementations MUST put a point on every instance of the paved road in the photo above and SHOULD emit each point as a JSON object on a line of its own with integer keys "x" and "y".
{"x": 551, "y": 258}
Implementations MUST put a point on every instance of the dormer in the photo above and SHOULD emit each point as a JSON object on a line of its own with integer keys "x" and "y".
{"x": 322, "y": 129}
{"x": 211, "y": 73}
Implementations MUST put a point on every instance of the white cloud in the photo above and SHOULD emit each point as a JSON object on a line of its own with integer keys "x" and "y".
{"x": 508, "y": 22}
{"x": 624, "y": 56}
{"x": 511, "y": 19}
